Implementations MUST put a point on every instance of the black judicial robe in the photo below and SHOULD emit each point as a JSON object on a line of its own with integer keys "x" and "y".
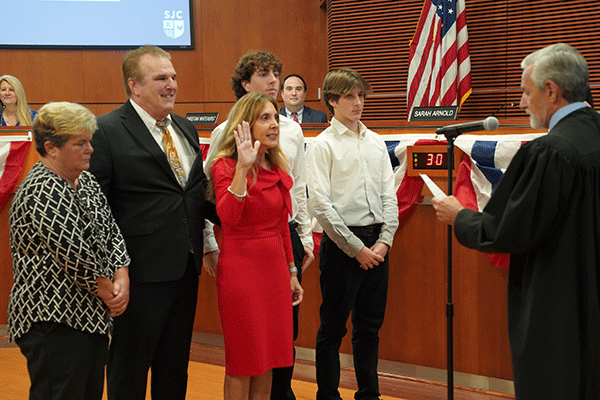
{"x": 545, "y": 212}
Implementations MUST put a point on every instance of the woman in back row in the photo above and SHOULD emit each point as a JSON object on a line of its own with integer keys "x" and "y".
{"x": 15, "y": 111}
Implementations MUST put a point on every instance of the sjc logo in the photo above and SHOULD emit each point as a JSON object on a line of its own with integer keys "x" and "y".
{"x": 173, "y": 24}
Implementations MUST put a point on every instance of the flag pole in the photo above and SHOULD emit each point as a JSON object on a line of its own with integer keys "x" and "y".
{"x": 451, "y": 137}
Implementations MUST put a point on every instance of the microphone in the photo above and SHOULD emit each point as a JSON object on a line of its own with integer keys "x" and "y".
{"x": 488, "y": 124}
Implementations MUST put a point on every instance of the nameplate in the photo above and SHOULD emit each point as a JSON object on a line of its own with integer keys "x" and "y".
{"x": 437, "y": 113}
{"x": 202, "y": 118}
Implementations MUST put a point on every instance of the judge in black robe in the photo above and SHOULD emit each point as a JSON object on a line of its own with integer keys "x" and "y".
{"x": 545, "y": 212}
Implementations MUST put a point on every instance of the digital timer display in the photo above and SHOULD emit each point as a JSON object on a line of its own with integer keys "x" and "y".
{"x": 430, "y": 160}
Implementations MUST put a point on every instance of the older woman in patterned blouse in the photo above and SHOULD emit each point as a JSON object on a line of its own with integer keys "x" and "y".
{"x": 69, "y": 261}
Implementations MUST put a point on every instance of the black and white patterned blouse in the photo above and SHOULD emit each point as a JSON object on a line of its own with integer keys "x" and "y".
{"x": 61, "y": 241}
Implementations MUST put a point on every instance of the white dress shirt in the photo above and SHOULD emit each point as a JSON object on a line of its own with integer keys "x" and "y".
{"x": 186, "y": 153}
{"x": 291, "y": 141}
{"x": 351, "y": 183}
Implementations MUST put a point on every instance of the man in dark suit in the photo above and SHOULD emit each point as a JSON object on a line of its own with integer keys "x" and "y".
{"x": 293, "y": 92}
{"x": 153, "y": 178}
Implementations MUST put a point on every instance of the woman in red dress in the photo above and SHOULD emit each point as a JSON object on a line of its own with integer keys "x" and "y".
{"x": 256, "y": 264}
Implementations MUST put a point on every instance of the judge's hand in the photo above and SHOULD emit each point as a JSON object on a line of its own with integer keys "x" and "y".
{"x": 446, "y": 209}
{"x": 246, "y": 150}
{"x": 368, "y": 258}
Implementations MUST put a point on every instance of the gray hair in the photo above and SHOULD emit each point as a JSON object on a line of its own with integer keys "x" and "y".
{"x": 563, "y": 65}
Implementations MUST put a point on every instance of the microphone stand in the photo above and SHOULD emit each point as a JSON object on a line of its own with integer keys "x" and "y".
{"x": 450, "y": 137}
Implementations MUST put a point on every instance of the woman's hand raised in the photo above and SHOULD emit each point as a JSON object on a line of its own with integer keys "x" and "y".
{"x": 246, "y": 150}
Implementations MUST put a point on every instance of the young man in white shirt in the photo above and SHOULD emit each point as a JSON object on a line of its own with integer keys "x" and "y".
{"x": 351, "y": 194}
{"x": 259, "y": 71}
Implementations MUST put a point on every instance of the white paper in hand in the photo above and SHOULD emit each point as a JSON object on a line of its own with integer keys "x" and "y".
{"x": 435, "y": 189}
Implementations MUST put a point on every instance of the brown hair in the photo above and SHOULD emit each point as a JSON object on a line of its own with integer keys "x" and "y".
{"x": 250, "y": 63}
{"x": 131, "y": 63}
{"x": 340, "y": 82}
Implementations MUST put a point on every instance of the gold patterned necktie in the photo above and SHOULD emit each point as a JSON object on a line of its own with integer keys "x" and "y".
{"x": 171, "y": 152}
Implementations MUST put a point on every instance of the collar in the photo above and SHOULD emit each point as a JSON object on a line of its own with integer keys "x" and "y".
{"x": 563, "y": 112}
{"x": 341, "y": 129}
{"x": 146, "y": 118}
{"x": 298, "y": 113}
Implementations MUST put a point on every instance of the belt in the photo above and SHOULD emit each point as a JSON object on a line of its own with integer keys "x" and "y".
{"x": 293, "y": 225}
{"x": 365, "y": 231}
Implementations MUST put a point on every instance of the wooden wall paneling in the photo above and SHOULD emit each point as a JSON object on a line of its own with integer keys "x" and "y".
{"x": 46, "y": 75}
{"x": 415, "y": 316}
{"x": 521, "y": 30}
{"x": 293, "y": 31}
{"x": 374, "y": 36}
{"x": 480, "y": 334}
{"x": 102, "y": 81}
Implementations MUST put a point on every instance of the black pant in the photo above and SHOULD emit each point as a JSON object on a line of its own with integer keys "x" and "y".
{"x": 64, "y": 363}
{"x": 281, "y": 387}
{"x": 346, "y": 288}
{"x": 155, "y": 332}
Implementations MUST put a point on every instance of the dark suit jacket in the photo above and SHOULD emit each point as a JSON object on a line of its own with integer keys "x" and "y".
{"x": 309, "y": 116}
{"x": 158, "y": 218}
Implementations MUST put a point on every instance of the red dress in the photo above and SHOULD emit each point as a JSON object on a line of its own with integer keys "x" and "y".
{"x": 253, "y": 279}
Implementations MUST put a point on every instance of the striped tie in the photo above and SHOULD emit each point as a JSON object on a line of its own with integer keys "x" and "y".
{"x": 171, "y": 152}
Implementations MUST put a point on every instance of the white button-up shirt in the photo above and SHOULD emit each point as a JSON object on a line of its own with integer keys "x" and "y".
{"x": 351, "y": 183}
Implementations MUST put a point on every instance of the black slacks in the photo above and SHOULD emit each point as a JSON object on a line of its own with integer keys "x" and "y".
{"x": 155, "y": 332}
{"x": 64, "y": 363}
{"x": 281, "y": 388}
{"x": 347, "y": 288}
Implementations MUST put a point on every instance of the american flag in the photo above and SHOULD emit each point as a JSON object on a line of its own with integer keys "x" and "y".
{"x": 439, "y": 72}
{"x": 13, "y": 151}
{"x": 485, "y": 160}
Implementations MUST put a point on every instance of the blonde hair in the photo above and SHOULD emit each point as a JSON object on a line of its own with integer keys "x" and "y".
{"x": 248, "y": 109}
{"x": 131, "y": 63}
{"x": 57, "y": 122}
{"x": 23, "y": 112}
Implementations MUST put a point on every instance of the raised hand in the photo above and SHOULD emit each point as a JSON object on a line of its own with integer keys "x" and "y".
{"x": 246, "y": 150}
